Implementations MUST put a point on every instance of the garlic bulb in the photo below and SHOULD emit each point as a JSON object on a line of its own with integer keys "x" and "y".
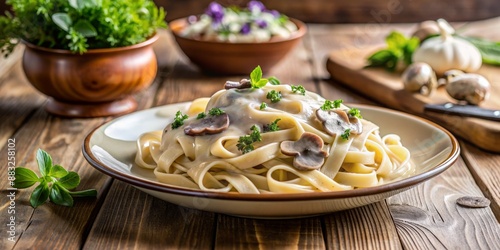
{"x": 446, "y": 52}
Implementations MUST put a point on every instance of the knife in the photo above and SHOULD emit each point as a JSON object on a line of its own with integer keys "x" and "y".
{"x": 464, "y": 110}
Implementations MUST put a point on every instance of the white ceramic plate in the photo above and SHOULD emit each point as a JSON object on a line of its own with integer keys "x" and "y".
{"x": 111, "y": 148}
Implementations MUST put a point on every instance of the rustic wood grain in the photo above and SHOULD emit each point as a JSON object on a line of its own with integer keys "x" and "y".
{"x": 367, "y": 227}
{"x": 268, "y": 234}
{"x": 485, "y": 168}
{"x": 131, "y": 219}
{"x": 361, "y": 11}
{"x": 427, "y": 216}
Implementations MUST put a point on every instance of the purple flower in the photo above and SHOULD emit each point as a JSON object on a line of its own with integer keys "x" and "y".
{"x": 245, "y": 29}
{"x": 261, "y": 23}
{"x": 215, "y": 11}
{"x": 256, "y": 6}
{"x": 275, "y": 13}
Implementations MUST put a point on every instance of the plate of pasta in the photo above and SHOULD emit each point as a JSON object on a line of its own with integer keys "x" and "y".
{"x": 275, "y": 151}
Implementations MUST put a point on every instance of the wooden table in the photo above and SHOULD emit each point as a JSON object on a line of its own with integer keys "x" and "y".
{"x": 121, "y": 217}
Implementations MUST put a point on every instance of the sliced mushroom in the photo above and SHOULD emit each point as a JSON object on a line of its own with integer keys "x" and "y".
{"x": 448, "y": 76}
{"x": 472, "y": 88}
{"x": 337, "y": 121}
{"x": 242, "y": 84}
{"x": 208, "y": 125}
{"x": 419, "y": 77}
{"x": 307, "y": 151}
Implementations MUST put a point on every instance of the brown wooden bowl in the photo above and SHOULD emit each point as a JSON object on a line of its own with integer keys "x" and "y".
{"x": 235, "y": 58}
{"x": 99, "y": 82}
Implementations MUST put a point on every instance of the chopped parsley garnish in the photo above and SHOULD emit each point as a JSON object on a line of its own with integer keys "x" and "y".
{"x": 331, "y": 104}
{"x": 274, "y": 81}
{"x": 273, "y": 126}
{"x": 179, "y": 119}
{"x": 216, "y": 112}
{"x": 274, "y": 96}
{"x": 245, "y": 142}
{"x": 263, "y": 106}
{"x": 346, "y": 134}
{"x": 355, "y": 112}
{"x": 201, "y": 115}
{"x": 299, "y": 88}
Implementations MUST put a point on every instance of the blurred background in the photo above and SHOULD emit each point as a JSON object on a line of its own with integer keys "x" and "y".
{"x": 351, "y": 11}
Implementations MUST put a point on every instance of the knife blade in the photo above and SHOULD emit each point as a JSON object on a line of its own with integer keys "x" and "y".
{"x": 464, "y": 110}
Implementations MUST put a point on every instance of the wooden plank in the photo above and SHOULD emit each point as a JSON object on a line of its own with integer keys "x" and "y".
{"x": 18, "y": 101}
{"x": 367, "y": 227}
{"x": 361, "y": 11}
{"x": 485, "y": 168}
{"x": 268, "y": 234}
{"x": 427, "y": 216}
{"x": 131, "y": 219}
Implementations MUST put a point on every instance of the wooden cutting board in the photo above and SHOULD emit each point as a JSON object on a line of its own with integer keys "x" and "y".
{"x": 347, "y": 65}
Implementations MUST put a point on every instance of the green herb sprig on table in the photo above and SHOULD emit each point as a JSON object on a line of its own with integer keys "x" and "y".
{"x": 78, "y": 25}
{"x": 55, "y": 182}
{"x": 399, "y": 51}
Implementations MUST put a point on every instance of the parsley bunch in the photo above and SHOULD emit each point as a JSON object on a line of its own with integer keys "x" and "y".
{"x": 55, "y": 182}
{"x": 78, "y": 25}
{"x": 327, "y": 105}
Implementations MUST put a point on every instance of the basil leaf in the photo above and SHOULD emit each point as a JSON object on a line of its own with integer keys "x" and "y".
{"x": 261, "y": 83}
{"x": 24, "y": 178}
{"x": 85, "y": 28}
{"x": 63, "y": 20}
{"x": 381, "y": 57}
{"x": 84, "y": 193}
{"x": 69, "y": 181}
{"x": 60, "y": 196}
{"x": 58, "y": 171}
{"x": 255, "y": 76}
{"x": 396, "y": 40}
{"x": 40, "y": 195}
{"x": 44, "y": 162}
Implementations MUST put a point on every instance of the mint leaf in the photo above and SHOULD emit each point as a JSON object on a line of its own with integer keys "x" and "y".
{"x": 85, "y": 28}
{"x": 25, "y": 178}
{"x": 62, "y": 20}
{"x": 261, "y": 83}
{"x": 69, "y": 181}
{"x": 58, "y": 171}
{"x": 40, "y": 195}
{"x": 60, "y": 196}
{"x": 44, "y": 162}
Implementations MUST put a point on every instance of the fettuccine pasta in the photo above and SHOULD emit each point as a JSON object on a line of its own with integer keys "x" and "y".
{"x": 304, "y": 146}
